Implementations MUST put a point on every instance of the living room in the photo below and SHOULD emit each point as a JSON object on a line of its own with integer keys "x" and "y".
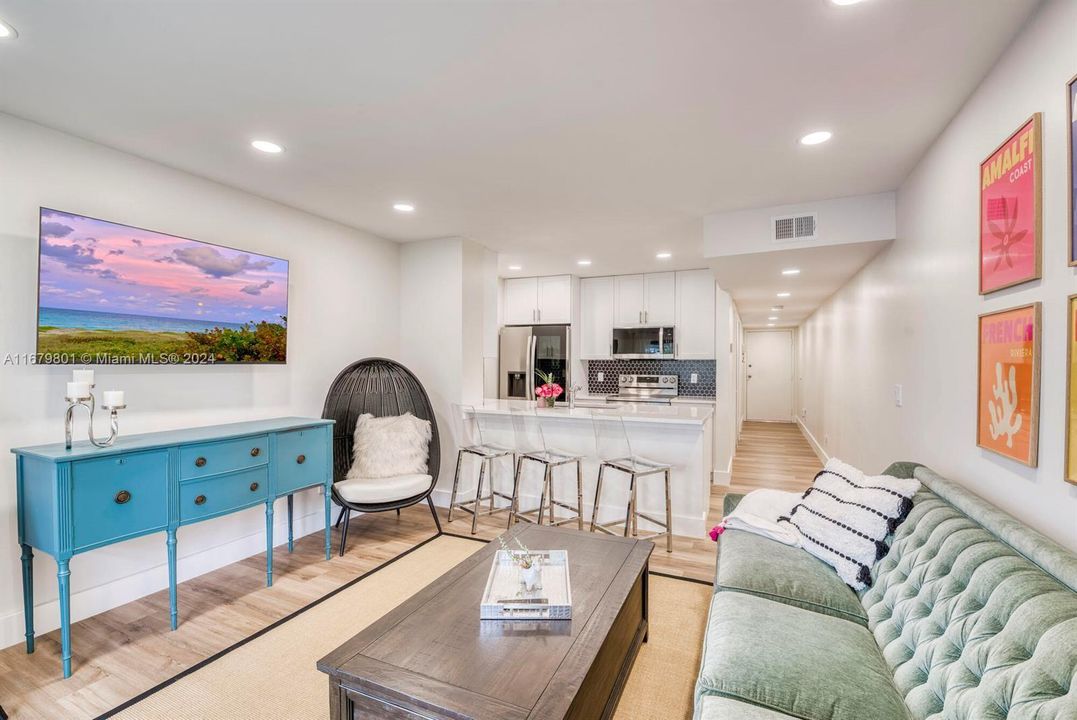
{"x": 538, "y": 359}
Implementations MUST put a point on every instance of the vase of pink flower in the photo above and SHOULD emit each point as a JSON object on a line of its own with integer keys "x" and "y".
{"x": 548, "y": 391}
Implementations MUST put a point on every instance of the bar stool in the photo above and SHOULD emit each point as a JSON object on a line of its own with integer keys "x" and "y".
{"x": 531, "y": 447}
{"x": 615, "y": 453}
{"x": 477, "y": 441}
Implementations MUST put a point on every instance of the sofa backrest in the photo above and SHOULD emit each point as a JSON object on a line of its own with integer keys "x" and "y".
{"x": 975, "y": 613}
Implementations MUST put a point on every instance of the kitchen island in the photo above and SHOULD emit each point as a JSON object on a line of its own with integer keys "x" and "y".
{"x": 678, "y": 434}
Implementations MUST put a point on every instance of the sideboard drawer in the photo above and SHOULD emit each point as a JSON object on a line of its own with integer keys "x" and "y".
{"x": 119, "y": 496}
{"x": 200, "y": 499}
{"x": 212, "y": 458}
{"x": 301, "y": 458}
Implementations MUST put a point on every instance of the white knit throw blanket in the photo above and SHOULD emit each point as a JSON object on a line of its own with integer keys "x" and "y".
{"x": 845, "y": 517}
{"x": 758, "y": 513}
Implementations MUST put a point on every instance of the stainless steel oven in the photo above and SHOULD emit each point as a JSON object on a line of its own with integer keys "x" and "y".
{"x": 649, "y": 343}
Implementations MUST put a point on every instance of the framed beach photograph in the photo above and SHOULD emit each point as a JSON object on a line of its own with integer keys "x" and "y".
{"x": 1011, "y": 213}
{"x": 1008, "y": 405}
{"x": 1071, "y": 392}
{"x": 1071, "y": 103}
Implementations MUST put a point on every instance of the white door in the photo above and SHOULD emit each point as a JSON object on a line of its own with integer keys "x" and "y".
{"x": 596, "y": 318}
{"x": 628, "y": 300}
{"x": 555, "y": 299}
{"x": 694, "y": 331}
{"x": 769, "y": 375}
{"x": 660, "y": 292}
{"x": 521, "y": 301}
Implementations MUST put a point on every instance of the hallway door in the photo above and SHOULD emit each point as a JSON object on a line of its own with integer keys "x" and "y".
{"x": 769, "y": 375}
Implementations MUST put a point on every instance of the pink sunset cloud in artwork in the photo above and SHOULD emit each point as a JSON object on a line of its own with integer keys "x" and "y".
{"x": 99, "y": 274}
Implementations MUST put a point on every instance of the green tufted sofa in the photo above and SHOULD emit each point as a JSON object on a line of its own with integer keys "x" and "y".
{"x": 972, "y": 616}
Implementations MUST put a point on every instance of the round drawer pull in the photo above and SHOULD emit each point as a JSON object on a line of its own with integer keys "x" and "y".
{"x": 301, "y": 459}
{"x": 122, "y": 496}
{"x": 255, "y": 452}
{"x": 254, "y": 486}
{"x": 200, "y": 462}
{"x": 200, "y": 500}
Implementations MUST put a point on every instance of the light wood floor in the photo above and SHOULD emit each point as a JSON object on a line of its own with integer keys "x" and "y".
{"x": 120, "y": 653}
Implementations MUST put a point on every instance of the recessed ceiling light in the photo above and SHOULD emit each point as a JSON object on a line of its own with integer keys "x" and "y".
{"x": 814, "y": 138}
{"x": 266, "y": 146}
{"x": 772, "y": 317}
{"x": 770, "y": 324}
{"x": 583, "y": 262}
{"x": 515, "y": 267}
{"x": 846, "y": 2}
{"x": 784, "y": 294}
{"x": 7, "y": 32}
{"x": 791, "y": 271}
{"x": 664, "y": 255}
{"x": 403, "y": 207}
{"x": 776, "y": 308}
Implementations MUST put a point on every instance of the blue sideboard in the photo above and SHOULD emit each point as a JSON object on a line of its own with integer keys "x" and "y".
{"x": 71, "y": 501}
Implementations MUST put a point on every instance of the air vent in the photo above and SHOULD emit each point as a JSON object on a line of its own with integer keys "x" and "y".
{"x": 791, "y": 228}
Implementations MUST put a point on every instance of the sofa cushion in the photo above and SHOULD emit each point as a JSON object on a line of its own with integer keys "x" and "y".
{"x": 714, "y": 707}
{"x": 794, "y": 661}
{"x": 760, "y": 566}
{"x": 971, "y": 628}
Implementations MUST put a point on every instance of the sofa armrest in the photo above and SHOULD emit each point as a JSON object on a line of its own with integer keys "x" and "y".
{"x": 730, "y": 501}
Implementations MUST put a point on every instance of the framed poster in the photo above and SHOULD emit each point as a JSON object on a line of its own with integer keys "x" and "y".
{"x": 1071, "y": 101}
{"x": 1008, "y": 406}
{"x": 1010, "y": 210}
{"x": 1071, "y": 394}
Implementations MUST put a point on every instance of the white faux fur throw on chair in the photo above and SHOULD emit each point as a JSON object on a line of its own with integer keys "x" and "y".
{"x": 845, "y": 517}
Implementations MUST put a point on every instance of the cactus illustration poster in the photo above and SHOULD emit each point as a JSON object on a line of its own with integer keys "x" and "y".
{"x": 1009, "y": 383}
{"x": 1010, "y": 214}
{"x": 1071, "y": 395}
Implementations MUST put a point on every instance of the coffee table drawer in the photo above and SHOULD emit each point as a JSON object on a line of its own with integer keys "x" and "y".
{"x": 118, "y": 497}
{"x": 365, "y": 707}
{"x": 212, "y": 458}
{"x": 201, "y": 499}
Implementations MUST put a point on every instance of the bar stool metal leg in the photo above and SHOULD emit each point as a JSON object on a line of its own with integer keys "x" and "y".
{"x": 478, "y": 495}
{"x": 631, "y": 502}
{"x": 598, "y": 495}
{"x": 579, "y": 494}
{"x": 514, "y": 504}
{"x": 669, "y": 518}
{"x": 455, "y": 483}
{"x": 545, "y": 490}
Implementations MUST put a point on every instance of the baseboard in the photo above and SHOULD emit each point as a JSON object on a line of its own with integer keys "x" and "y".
{"x": 92, "y": 601}
{"x": 683, "y": 525}
{"x": 815, "y": 446}
{"x": 723, "y": 477}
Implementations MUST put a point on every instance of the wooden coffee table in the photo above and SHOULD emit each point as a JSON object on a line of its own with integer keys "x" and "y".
{"x": 433, "y": 658}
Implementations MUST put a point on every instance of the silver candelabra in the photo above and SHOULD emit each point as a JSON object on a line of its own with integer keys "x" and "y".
{"x": 90, "y": 404}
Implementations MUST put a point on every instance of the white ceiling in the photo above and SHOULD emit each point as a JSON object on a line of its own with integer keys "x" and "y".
{"x": 543, "y": 130}
{"x": 755, "y": 280}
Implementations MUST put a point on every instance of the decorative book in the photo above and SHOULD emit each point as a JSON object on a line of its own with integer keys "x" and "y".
{"x": 507, "y": 598}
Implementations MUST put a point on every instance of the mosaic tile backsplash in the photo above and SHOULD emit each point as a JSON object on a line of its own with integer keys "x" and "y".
{"x": 683, "y": 369}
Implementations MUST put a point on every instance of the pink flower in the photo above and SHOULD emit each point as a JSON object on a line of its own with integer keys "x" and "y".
{"x": 549, "y": 390}
{"x": 716, "y": 531}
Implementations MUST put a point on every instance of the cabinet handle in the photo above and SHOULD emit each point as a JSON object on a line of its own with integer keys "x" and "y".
{"x": 301, "y": 459}
{"x": 255, "y": 452}
{"x": 122, "y": 496}
{"x": 254, "y": 486}
{"x": 200, "y": 462}
{"x": 539, "y": 311}
{"x": 200, "y": 500}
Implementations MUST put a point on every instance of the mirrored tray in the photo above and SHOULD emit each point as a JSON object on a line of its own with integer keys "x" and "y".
{"x": 507, "y": 598}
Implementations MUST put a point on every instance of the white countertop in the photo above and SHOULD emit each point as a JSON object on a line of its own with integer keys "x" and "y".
{"x": 678, "y": 414}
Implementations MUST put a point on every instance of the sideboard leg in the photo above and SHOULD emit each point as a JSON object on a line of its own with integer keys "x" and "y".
{"x": 172, "y": 601}
{"x": 28, "y": 595}
{"x": 269, "y": 543}
{"x": 328, "y": 516}
{"x": 291, "y": 540}
{"x": 63, "y": 575}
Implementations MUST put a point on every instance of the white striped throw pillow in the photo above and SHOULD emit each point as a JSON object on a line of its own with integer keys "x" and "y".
{"x": 845, "y": 517}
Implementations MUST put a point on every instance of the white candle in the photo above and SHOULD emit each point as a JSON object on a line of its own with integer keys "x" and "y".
{"x": 112, "y": 398}
{"x": 78, "y": 390}
{"x": 83, "y": 376}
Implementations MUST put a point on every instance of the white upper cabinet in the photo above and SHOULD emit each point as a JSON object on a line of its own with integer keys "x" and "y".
{"x": 649, "y": 300}
{"x": 521, "y": 301}
{"x": 546, "y": 300}
{"x": 660, "y": 290}
{"x": 694, "y": 334}
{"x": 596, "y": 318}
{"x": 555, "y": 299}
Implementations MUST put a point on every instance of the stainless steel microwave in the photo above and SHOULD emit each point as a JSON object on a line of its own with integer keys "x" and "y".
{"x": 648, "y": 343}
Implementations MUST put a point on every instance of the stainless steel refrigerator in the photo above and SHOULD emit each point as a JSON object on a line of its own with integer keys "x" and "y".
{"x": 527, "y": 348}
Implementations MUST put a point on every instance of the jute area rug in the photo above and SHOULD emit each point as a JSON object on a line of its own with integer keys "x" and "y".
{"x": 273, "y": 675}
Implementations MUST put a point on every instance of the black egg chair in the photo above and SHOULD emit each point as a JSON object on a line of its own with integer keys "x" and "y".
{"x": 382, "y": 388}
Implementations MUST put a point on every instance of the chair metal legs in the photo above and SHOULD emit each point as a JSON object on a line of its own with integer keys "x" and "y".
{"x": 632, "y": 513}
{"x": 434, "y": 512}
{"x": 344, "y": 532}
{"x": 547, "y": 500}
{"x": 473, "y": 506}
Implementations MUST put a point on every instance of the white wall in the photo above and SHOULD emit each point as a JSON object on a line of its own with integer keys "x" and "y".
{"x": 342, "y": 306}
{"x": 910, "y": 316}
{"x": 726, "y": 348}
